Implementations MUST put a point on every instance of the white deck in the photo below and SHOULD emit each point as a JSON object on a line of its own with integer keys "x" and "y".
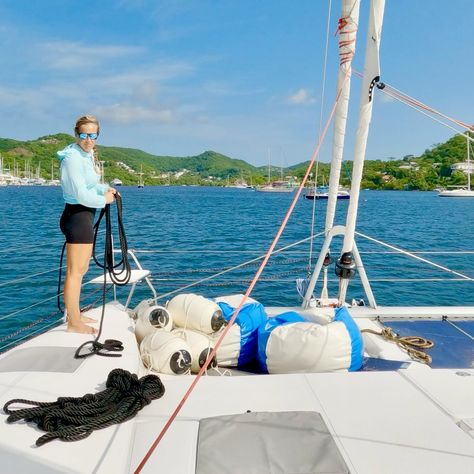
{"x": 413, "y": 420}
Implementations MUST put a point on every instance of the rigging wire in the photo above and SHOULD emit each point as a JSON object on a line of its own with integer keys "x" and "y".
{"x": 235, "y": 267}
{"x": 27, "y": 277}
{"x": 323, "y": 100}
{"x": 423, "y": 108}
{"x": 33, "y": 246}
{"x": 416, "y": 257}
{"x": 247, "y": 293}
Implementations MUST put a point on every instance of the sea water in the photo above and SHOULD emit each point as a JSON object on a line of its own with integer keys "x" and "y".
{"x": 185, "y": 234}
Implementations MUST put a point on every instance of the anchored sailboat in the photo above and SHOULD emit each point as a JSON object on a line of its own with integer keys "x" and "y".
{"x": 141, "y": 183}
{"x": 467, "y": 166}
{"x": 279, "y": 186}
{"x": 320, "y": 412}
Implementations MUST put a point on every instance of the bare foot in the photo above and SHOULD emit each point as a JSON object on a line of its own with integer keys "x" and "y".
{"x": 86, "y": 319}
{"x": 80, "y": 328}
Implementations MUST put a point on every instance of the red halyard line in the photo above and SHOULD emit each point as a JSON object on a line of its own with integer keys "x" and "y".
{"x": 247, "y": 293}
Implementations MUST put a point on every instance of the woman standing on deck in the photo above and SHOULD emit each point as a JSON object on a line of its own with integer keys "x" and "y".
{"x": 83, "y": 193}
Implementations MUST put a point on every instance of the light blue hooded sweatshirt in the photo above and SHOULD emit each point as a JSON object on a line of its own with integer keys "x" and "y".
{"x": 79, "y": 180}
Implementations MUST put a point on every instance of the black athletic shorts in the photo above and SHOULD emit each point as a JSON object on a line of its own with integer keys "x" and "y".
{"x": 77, "y": 223}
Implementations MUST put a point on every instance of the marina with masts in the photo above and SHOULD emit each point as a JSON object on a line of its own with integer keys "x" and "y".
{"x": 26, "y": 178}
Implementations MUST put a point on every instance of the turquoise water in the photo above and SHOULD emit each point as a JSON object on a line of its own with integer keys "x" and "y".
{"x": 189, "y": 233}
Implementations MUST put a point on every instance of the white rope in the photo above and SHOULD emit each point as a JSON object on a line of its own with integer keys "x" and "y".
{"x": 218, "y": 251}
{"x": 220, "y": 371}
{"x": 304, "y": 253}
{"x": 459, "y": 329}
{"x": 34, "y": 246}
{"x": 290, "y": 280}
{"x": 323, "y": 99}
{"x": 9, "y": 282}
{"x": 237, "y": 267}
{"x": 29, "y": 307}
{"x": 410, "y": 254}
{"x": 34, "y": 305}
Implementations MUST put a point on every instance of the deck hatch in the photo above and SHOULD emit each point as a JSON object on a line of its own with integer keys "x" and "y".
{"x": 256, "y": 442}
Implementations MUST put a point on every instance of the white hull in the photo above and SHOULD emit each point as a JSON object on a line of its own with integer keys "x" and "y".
{"x": 414, "y": 419}
{"x": 272, "y": 189}
{"x": 457, "y": 193}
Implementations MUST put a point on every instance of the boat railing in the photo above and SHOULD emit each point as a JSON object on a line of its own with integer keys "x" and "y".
{"x": 173, "y": 281}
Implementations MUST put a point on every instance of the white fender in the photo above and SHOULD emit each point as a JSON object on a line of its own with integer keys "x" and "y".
{"x": 201, "y": 346}
{"x": 308, "y": 347}
{"x": 151, "y": 318}
{"x": 192, "y": 311}
{"x": 166, "y": 353}
{"x": 140, "y": 307}
{"x": 228, "y": 352}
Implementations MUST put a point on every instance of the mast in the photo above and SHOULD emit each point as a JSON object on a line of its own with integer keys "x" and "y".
{"x": 468, "y": 162}
{"x": 345, "y": 267}
{"x": 269, "y": 166}
{"x": 347, "y": 42}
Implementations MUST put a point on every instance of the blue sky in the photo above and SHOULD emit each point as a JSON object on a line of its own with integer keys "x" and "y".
{"x": 238, "y": 77}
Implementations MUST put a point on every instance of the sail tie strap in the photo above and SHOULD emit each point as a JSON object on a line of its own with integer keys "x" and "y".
{"x": 410, "y": 344}
{"x": 75, "y": 418}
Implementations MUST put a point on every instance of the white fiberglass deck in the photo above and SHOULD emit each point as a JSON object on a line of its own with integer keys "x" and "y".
{"x": 412, "y": 420}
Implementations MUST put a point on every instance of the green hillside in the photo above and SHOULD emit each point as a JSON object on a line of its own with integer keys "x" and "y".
{"x": 428, "y": 171}
{"x": 124, "y": 163}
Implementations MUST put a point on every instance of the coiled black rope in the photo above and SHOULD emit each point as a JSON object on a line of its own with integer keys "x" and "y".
{"x": 119, "y": 274}
{"x": 122, "y": 275}
{"x": 75, "y": 418}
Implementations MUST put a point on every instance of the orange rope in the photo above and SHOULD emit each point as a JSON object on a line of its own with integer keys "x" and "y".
{"x": 247, "y": 293}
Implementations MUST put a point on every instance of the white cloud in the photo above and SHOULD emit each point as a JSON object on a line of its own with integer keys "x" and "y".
{"x": 123, "y": 113}
{"x": 71, "y": 55}
{"x": 301, "y": 97}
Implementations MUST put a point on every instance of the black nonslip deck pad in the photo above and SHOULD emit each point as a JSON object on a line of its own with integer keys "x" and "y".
{"x": 41, "y": 359}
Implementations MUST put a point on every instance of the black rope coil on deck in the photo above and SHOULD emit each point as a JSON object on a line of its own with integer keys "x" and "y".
{"x": 75, "y": 418}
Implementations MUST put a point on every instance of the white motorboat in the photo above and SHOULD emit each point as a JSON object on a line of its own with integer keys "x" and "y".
{"x": 403, "y": 413}
{"x": 116, "y": 182}
{"x": 322, "y": 192}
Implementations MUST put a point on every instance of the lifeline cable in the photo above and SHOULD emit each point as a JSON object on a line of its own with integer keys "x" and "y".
{"x": 119, "y": 278}
{"x": 211, "y": 356}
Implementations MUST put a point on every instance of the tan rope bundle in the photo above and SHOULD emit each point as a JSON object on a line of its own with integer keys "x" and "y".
{"x": 410, "y": 344}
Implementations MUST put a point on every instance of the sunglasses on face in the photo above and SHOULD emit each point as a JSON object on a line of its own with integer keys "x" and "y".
{"x": 92, "y": 136}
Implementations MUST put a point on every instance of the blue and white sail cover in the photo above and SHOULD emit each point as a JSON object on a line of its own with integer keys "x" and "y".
{"x": 239, "y": 346}
{"x": 288, "y": 343}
